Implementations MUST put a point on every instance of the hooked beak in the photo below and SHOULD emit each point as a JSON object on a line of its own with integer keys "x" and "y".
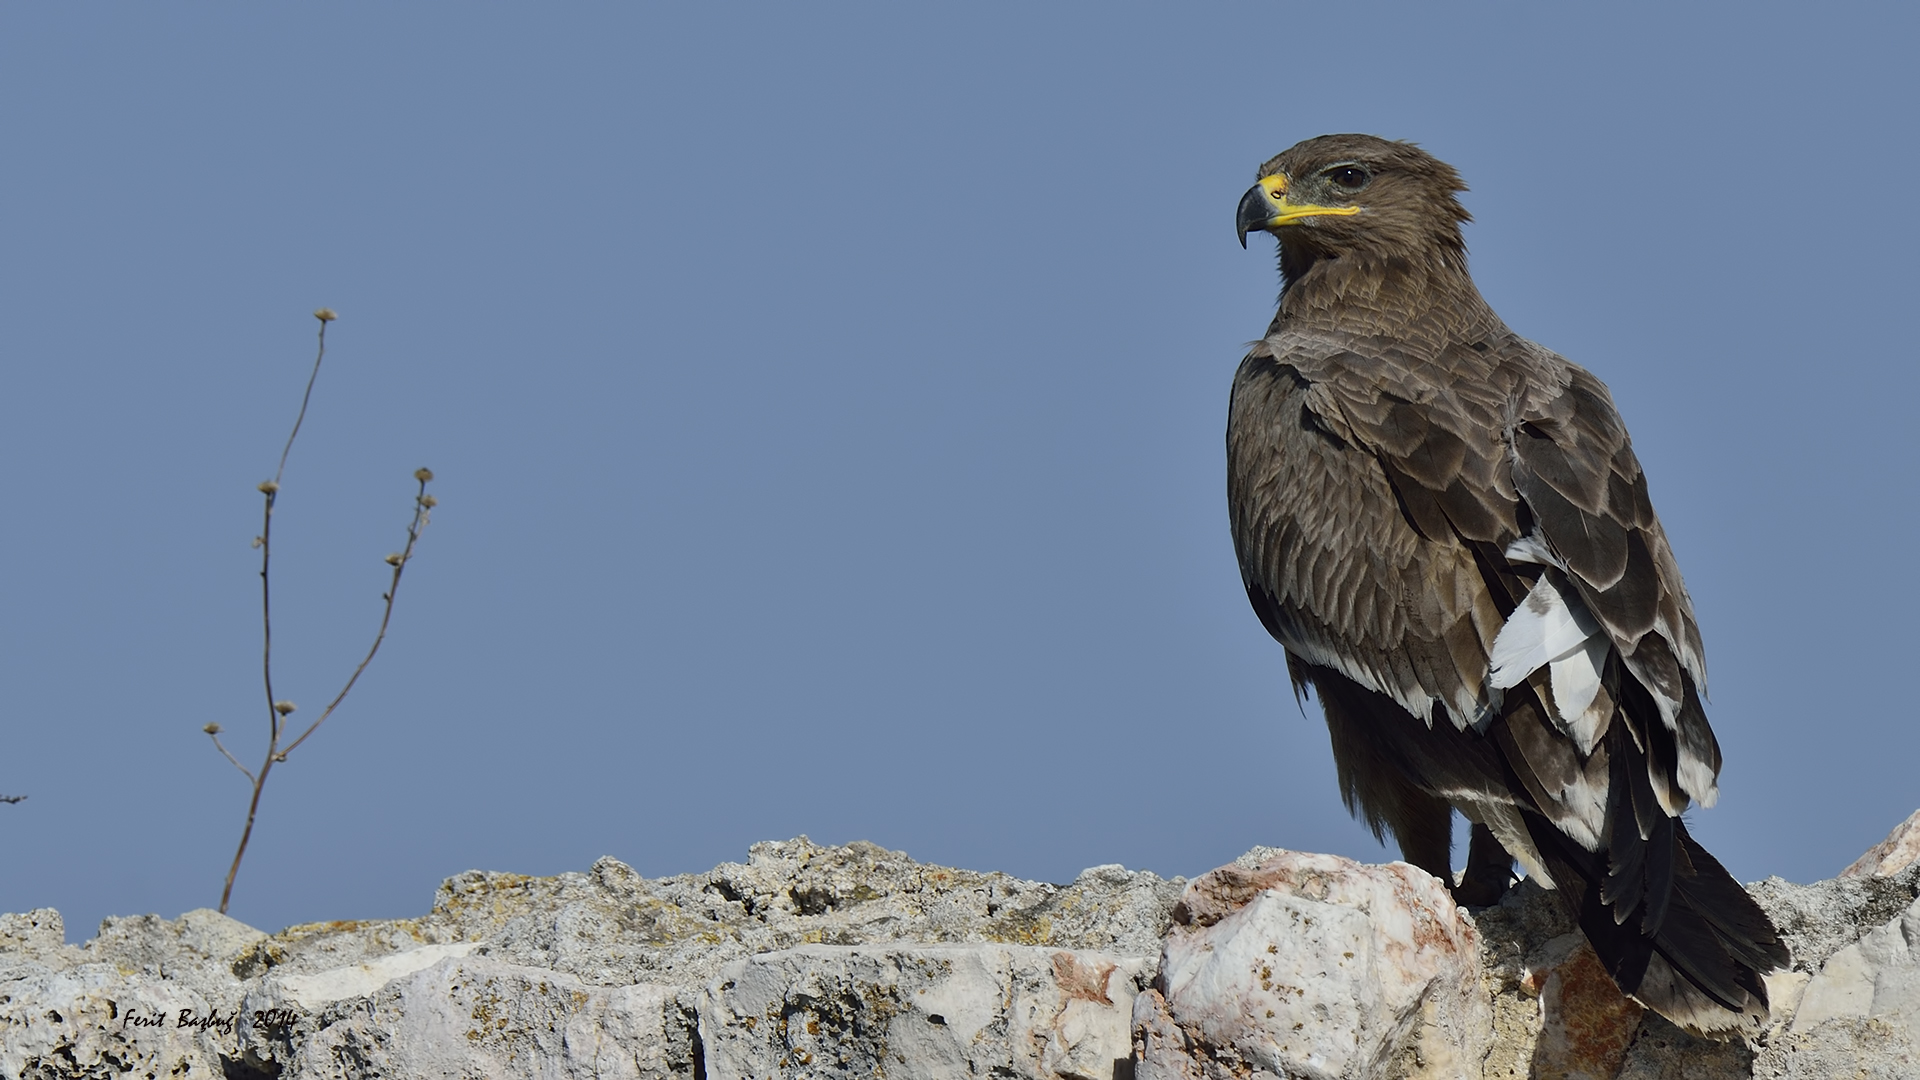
{"x": 1265, "y": 207}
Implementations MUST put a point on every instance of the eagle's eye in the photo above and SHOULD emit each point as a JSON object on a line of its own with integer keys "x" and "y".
{"x": 1351, "y": 177}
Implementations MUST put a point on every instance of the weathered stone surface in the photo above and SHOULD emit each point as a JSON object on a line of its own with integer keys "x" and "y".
{"x": 929, "y": 1013}
{"x": 1661, "y": 1051}
{"x": 1875, "y": 977}
{"x": 473, "y": 1017}
{"x": 1556, "y": 1014}
{"x": 846, "y": 955}
{"x": 323, "y": 988}
{"x": 1820, "y": 919}
{"x": 1851, "y": 1048}
{"x": 196, "y": 950}
{"x": 1825, "y": 923}
{"x": 93, "y": 1021}
{"x": 1586, "y": 1023}
{"x": 364, "y": 993}
{"x": 1862, "y": 1008}
{"x": 611, "y": 926}
{"x": 1318, "y": 967}
{"x": 1521, "y": 939}
{"x": 1890, "y": 856}
{"x": 146, "y": 997}
{"x": 37, "y": 935}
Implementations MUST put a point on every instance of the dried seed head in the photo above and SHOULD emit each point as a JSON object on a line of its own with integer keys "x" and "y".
{"x": 325, "y": 314}
{"x": 429, "y": 502}
{"x": 284, "y": 707}
{"x": 268, "y": 487}
{"x": 213, "y": 729}
{"x": 423, "y": 475}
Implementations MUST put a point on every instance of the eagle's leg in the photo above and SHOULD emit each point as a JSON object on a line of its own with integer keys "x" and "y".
{"x": 1422, "y": 824}
{"x": 1374, "y": 756}
{"x": 1391, "y": 763}
{"x": 1489, "y": 870}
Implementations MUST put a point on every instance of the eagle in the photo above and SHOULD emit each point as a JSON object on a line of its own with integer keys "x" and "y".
{"x": 1446, "y": 527}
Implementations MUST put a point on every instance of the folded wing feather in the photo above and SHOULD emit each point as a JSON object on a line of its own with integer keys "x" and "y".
{"x": 1552, "y": 628}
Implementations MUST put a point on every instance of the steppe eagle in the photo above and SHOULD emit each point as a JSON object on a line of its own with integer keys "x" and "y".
{"x": 1446, "y": 527}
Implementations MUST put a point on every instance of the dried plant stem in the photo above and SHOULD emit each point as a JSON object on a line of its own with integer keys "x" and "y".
{"x": 302, "y": 416}
{"x": 278, "y": 710}
{"x": 244, "y": 771}
{"x": 421, "y": 511}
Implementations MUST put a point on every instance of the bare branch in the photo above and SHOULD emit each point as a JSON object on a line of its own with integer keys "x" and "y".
{"x": 278, "y": 710}
{"x": 422, "y": 511}
{"x": 325, "y": 315}
{"x": 244, "y": 771}
{"x": 264, "y": 542}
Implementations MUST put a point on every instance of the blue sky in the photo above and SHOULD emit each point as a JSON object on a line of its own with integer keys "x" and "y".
{"x": 827, "y": 406}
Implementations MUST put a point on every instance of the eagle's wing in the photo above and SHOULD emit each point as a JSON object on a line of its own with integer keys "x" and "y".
{"x": 1369, "y": 494}
{"x": 1465, "y": 525}
{"x": 1594, "y": 526}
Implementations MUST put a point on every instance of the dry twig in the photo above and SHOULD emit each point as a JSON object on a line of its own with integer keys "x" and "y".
{"x": 277, "y": 709}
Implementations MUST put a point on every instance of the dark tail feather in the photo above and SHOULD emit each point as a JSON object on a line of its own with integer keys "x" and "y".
{"x": 1674, "y": 929}
{"x": 1738, "y": 922}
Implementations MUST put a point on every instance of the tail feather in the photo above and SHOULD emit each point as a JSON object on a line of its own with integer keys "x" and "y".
{"x": 1626, "y": 872}
{"x": 1672, "y": 927}
{"x": 1740, "y": 924}
{"x": 1660, "y": 870}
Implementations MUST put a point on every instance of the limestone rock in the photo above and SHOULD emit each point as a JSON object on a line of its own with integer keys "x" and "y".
{"x": 93, "y": 1021}
{"x": 929, "y": 1013}
{"x": 1318, "y": 967}
{"x": 1866, "y": 995}
{"x": 359, "y": 980}
{"x": 197, "y": 950}
{"x": 1820, "y": 919}
{"x": 463, "y": 1016}
{"x": 1557, "y": 1014}
{"x": 1890, "y": 856}
{"x": 610, "y": 926}
{"x": 37, "y": 935}
{"x": 1877, "y": 976}
{"x": 1586, "y": 1024}
{"x": 831, "y": 961}
{"x": 382, "y": 995}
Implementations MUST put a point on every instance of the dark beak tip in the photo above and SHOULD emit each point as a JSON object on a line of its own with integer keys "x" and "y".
{"x": 1251, "y": 214}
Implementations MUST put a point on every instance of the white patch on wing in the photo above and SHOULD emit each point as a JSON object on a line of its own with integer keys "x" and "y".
{"x": 1552, "y": 628}
{"x": 1547, "y": 626}
{"x": 1532, "y": 548}
{"x": 1583, "y": 706}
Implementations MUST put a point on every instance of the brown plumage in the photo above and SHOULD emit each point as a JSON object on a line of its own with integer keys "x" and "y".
{"x": 1446, "y": 527}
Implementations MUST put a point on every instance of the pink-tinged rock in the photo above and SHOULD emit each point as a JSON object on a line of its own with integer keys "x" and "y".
{"x": 1586, "y": 1023}
{"x": 1889, "y": 856}
{"x": 1317, "y": 967}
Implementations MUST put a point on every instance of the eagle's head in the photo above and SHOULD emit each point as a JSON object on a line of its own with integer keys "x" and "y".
{"x": 1341, "y": 195}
